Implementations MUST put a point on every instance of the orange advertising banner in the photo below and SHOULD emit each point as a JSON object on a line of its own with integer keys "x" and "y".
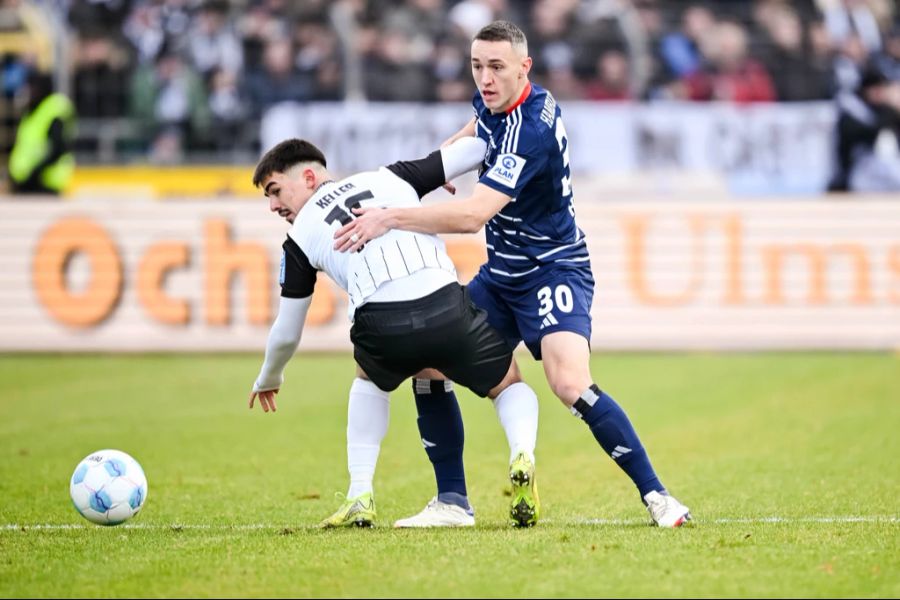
{"x": 142, "y": 275}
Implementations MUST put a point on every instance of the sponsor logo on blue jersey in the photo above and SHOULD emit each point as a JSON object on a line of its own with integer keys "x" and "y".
{"x": 507, "y": 169}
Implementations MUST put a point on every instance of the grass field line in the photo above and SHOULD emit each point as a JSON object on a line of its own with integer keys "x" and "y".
{"x": 840, "y": 519}
{"x": 752, "y": 520}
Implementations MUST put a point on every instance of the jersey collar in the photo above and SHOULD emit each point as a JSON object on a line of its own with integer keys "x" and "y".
{"x": 521, "y": 99}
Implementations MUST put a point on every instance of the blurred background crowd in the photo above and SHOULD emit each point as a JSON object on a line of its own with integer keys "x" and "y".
{"x": 164, "y": 78}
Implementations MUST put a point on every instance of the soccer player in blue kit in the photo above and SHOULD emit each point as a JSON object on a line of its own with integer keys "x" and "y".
{"x": 537, "y": 285}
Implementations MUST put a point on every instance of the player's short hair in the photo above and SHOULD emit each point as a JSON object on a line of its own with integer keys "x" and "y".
{"x": 284, "y": 156}
{"x": 504, "y": 31}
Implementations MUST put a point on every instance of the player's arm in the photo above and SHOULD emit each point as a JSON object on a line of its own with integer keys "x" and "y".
{"x": 461, "y": 216}
{"x": 280, "y": 347}
{"x": 298, "y": 280}
{"x": 429, "y": 173}
{"x": 467, "y": 131}
{"x": 502, "y": 182}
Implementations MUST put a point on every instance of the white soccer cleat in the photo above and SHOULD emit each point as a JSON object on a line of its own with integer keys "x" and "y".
{"x": 439, "y": 514}
{"x": 666, "y": 511}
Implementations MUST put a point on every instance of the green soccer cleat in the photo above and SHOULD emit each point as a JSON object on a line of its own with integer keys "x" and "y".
{"x": 358, "y": 511}
{"x": 525, "y": 506}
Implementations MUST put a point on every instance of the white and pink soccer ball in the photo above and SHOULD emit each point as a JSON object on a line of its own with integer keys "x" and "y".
{"x": 108, "y": 487}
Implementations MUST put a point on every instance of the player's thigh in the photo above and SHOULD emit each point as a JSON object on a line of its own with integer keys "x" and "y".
{"x": 560, "y": 303}
{"x": 376, "y": 355}
{"x": 500, "y": 314}
{"x": 479, "y": 357}
{"x": 566, "y": 357}
{"x": 386, "y": 376}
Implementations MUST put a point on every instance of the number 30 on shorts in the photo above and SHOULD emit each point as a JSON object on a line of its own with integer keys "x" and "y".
{"x": 562, "y": 295}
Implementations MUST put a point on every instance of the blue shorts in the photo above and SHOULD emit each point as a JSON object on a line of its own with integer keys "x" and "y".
{"x": 529, "y": 310}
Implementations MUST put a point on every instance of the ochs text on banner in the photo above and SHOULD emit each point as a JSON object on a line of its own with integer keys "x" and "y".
{"x": 143, "y": 275}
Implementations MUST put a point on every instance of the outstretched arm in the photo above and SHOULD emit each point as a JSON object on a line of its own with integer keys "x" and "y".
{"x": 427, "y": 174}
{"x": 467, "y": 131}
{"x": 459, "y": 216}
{"x": 280, "y": 347}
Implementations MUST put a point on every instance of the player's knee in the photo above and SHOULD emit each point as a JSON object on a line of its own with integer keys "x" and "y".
{"x": 567, "y": 388}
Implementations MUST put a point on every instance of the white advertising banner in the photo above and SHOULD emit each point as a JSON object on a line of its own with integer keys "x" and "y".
{"x": 190, "y": 275}
{"x": 755, "y": 149}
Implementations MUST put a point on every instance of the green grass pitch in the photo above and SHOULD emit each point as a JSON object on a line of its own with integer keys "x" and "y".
{"x": 789, "y": 462}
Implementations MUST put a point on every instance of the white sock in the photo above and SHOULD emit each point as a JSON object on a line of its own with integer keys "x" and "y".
{"x": 517, "y": 409}
{"x": 368, "y": 412}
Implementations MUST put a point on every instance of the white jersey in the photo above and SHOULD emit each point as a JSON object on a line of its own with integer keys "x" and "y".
{"x": 400, "y": 265}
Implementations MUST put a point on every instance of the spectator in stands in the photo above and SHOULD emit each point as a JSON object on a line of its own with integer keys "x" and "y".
{"x": 422, "y": 21}
{"x": 451, "y": 69}
{"x": 850, "y": 58}
{"x": 820, "y": 55}
{"x": 278, "y": 80}
{"x": 228, "y": 110}
{"x": 674, "y": 53}
{"x": 855, "y": 35}
{"x": 795, "y": 75}
{"x": 730, "y": 75}
{"x": 393, "y": 73}
{"x": 319, "y": 57}
{"x": 868, "y": 127}
{"x": 256, "y": 25}
{"x": 101, "y": 75}
{"x": 417, "y": 51}
{"x": 98, "y": 15}
{"x": 170, "y": 103}
{"x": 143, "y": 29}
{"x": 613, "y": 81}
{"x": 888, "y": 60}
{"x": 213, "y": 43}
{"x": 552, "y": 43}
{"x": 765, "y": 13}
{"x": 680, "y": 49}
{"x": 853, "y": 18}
{"x": 41, "y": 160}
{"x": 13, "y": 74}
{"x": 468, "y": 16}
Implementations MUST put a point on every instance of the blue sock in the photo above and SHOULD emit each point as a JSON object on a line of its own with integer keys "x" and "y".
{"x": 612, "y": 428}
{"x": 441, "y": 428}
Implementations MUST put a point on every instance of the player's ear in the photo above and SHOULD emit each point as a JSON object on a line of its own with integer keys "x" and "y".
{"x": 526, "y": 66}
{"x": 309, "y": 178}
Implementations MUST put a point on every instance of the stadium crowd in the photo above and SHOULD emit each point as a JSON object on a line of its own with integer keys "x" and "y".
{"x": 195, "y": 73}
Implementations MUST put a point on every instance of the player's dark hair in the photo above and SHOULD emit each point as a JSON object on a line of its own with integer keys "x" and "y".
{"x": 284, "y": 156}
{"x": 502, "y": 31}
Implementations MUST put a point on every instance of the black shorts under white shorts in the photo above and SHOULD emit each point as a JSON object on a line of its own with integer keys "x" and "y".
{"x": 444, "y": 330}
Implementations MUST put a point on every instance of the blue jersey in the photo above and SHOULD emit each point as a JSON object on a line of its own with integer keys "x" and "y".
{"x": 528, "y": 159}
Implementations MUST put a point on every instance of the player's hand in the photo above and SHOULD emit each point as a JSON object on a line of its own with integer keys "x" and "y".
{"x": 450, "y": 187}
{"x": 369, "y": 224}
{"x": 266, "y": 399}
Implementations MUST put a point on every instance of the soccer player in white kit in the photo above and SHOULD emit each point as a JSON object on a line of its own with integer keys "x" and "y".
{"x": 409, "y": 312}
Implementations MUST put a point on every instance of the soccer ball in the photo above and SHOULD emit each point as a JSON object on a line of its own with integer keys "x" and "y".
{"x": 108, "y": 487}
